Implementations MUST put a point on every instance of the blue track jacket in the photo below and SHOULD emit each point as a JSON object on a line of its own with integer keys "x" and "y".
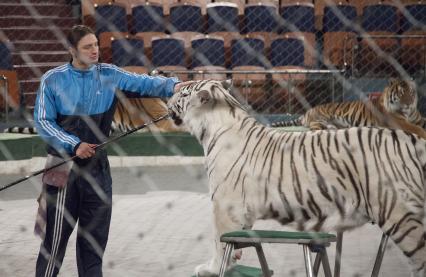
{"x": 75, "y": 106}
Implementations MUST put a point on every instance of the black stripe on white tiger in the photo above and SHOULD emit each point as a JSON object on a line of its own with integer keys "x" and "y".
{"x": 318, "y": 180}
{"x": 395, "y": 108}
{"x": 21, "y": 130}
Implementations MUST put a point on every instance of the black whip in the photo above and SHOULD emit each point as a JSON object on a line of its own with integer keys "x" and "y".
{"x": 74, "y": 157}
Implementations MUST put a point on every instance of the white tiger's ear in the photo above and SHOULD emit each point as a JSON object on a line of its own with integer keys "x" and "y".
{"x": 203, "y": 96}
{"x": 227, "y": 84}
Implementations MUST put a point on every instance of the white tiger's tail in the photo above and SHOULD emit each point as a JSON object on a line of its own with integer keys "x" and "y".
{"x": 21, "y": 130}
{"x": 288, "y": 123}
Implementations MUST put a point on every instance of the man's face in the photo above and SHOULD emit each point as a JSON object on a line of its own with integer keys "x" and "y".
{"x": 87, "y": 50}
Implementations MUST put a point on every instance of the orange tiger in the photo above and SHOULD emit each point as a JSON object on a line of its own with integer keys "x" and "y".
{"x": 395, "y": 108}
{"x": 129, "y": 114}
{"x": 133, "y": 112}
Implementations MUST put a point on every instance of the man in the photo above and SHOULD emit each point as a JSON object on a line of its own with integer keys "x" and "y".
{"x": 73, "y": 114}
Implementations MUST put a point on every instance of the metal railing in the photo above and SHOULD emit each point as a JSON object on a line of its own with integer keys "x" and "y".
{"x": 5, "y": 96}
{"x": 292, "y": 90}
{"x": 389, "y": 51}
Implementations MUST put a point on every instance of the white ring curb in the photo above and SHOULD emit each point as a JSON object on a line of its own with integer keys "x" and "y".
{"x": 37, "y": 163}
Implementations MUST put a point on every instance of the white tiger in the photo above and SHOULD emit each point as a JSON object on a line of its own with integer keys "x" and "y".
{"x": 320, "y": 180}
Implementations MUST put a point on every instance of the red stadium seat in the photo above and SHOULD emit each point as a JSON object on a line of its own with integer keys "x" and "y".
{"x": 105, "y": 40}
{"x": 413, "y": 51}
{"x": 287, "y": 89}
{"x": 9, "y": 87}
{"x": 250, "y": 85}
{"x": 12, "y": 90}
{"x": 202, "y": 3}
{"x": 240, "y": 4}
{"x": 248, "y": 54}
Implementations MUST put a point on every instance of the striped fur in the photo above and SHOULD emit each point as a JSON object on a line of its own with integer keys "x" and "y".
{"x": 395, "y": 108}
{"x": 131, "y": 113}
{"x": 317, "y": 180}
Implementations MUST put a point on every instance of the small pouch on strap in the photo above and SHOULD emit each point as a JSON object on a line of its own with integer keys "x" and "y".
{"x": 57, "y": 176}
{"x": 41, "y": 217}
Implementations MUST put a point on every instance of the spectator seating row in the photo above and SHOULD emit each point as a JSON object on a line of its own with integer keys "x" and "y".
{"x": 272, "y": 92}
{"x": 88, "y": 5}
{"x": 220, "y": 17}
{"x": 296, "y": 49}
{"x": 361, "y": 5}
{"x": 258, "y": 17}
{"x": 339, "y": 23}
{"x": 127, "y": 55}
{"x": 205, "y": 50}
{"x": 7, "y": 73}
{"x": 208, "y": 54}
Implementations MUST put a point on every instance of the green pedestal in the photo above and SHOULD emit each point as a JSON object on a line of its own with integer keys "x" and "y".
{"x": 243, "y": 271}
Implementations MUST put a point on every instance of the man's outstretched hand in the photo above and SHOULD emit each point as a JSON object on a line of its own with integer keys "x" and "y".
{"x": 178, "y": 86}
{"x": 85, "y": 150}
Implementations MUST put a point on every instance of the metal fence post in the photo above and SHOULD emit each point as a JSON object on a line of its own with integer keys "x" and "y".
{"x": 5, "y": 95}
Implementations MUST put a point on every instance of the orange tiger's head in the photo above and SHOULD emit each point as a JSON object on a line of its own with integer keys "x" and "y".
{"x": 400, "y": 96}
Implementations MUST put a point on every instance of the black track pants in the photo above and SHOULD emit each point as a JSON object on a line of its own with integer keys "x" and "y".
{"x": 86, "y": 200}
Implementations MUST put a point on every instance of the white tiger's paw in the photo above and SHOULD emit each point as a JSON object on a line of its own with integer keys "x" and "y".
{"x": 205, "y": 270}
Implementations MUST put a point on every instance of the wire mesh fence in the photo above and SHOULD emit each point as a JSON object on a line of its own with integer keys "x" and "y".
{"x": 365, "y": 39}
{"x": 283, "y": 57}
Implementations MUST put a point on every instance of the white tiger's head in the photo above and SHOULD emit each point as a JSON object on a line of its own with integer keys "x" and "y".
{"x": 202, "y": 102}
{"x": 400, "y": 96}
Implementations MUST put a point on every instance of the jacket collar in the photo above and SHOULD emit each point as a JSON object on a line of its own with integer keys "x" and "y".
{"x": 92, "y": 68}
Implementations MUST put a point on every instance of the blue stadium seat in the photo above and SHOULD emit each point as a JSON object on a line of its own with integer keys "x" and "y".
{"x": 168, "y": 51}
{"x": 148, "y": 18}
{"x": 339, "y": 36}
{"x": 287, "y": 51}
{"x": 128, "y": 52}
{"x": 414, "y": 18}
{"x": 381, "y": 17}
{"x": 260, "y": 18}
{"x": 247, "y": 54}
{"x": 110, "y": 18}
{"x": 223, "y": 20}
{"x": 222, "y": 17}
{"x": 300, "y": 18}
{"x": 208, "y": 52}
{"x": 186, "y": 18}
{"x": 287, "y": 54}
{"x": 380, "y": 22}
{"x": 6, "y": 57}
{"x": 333, "y": 22}
{"x": 247, "y": 51}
